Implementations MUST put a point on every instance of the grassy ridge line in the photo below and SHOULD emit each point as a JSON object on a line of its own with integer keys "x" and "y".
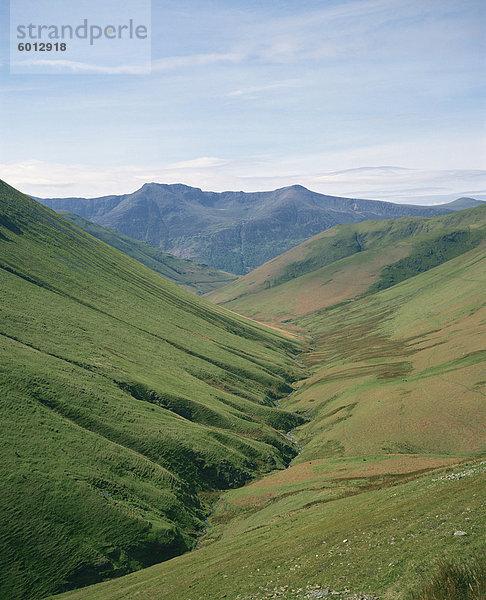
{"x": 196, "y": 277}
{"x": 343, "y": 262}
{"x": 123, "y": 396}
{"x": 427, "y": 255}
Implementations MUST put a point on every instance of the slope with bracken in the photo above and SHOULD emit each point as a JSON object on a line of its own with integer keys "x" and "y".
{"x": 349, "y": 260}
{"x": 123, "y": 398}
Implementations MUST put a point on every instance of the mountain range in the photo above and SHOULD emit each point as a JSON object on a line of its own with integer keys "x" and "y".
{"x": 232, "y": 231}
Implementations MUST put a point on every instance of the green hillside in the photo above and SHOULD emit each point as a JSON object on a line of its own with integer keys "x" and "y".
{"x": 125, "y": 401}
{"x": 349, "y": 260}
{"x": 389, "y": 486}
{"x": 195, "y": 277}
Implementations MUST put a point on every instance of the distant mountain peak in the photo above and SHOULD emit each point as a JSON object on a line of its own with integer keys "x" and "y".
{"x": 469, "y": 199}
{"x": 462, "y": 203}
{"x": 296, "y": 186}
{"x": 152, "y": 185}
{"x": 231, "y": 231}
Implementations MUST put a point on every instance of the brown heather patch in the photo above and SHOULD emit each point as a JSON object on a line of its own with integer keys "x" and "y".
{"x": 295, "y": 474}
{"x": 315, "y": 470}
{"x": 255, "y": 502}
{"x": 117, "y": 353}
{"x": 284, "y": 332}
{"x": 398, "y": 464}
{"x": 338, "y": 482}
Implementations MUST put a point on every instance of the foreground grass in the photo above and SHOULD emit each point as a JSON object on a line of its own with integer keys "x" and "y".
{"x": 455, "y": 581}
{"x": 378, "y": 541}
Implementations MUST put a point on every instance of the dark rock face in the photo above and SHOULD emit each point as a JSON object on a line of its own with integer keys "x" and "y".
{"x": 232, "y": 231}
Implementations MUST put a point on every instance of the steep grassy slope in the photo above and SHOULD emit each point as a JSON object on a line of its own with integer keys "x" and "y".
{"x": 195, "y": 277}
{"x": 392, "y": 464}
{"x": 122, "y": 398}
{"x": 349, "y": 260}
{"x": 232, "y": 231}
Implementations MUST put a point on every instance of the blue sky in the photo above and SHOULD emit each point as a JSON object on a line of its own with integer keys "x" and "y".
{"x": 373, "y": 98}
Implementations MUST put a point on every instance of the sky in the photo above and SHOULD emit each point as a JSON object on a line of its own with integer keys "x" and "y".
{"x": 379, "y": 99}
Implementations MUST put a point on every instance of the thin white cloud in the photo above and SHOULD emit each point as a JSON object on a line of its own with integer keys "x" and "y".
{"x": 395, "y": 184}
{"x": 169, "y": 63}
{"x": 323, "y": 33}
{"x": 381, "y": 169}
{"x": 81, "y": 67}
{"x": 196, "y": 60}
{"x": 197, "y": 163}
{"x": 403, "y": 185}
{"x": 257, "y": 89}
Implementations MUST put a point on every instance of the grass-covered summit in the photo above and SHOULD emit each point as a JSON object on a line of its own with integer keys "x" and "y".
{"x": 123, "y": 398}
